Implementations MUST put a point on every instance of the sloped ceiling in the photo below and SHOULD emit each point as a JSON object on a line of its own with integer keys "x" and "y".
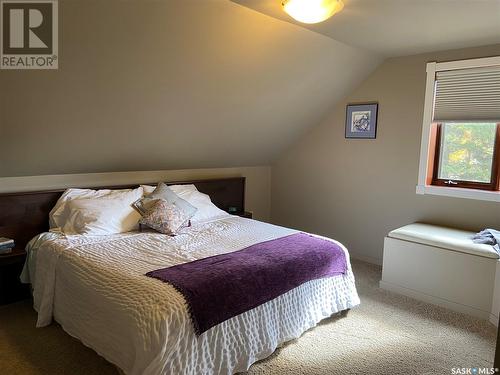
{"x": 146, "y": 85}
{"x": 403, "y": 27}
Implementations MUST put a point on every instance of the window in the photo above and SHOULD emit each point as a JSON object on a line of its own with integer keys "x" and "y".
{"x": 460, "y": 149}
{"x": 466, "y": 155}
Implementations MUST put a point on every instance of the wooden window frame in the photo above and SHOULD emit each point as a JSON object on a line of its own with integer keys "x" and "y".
{"x": 493, "y": 185}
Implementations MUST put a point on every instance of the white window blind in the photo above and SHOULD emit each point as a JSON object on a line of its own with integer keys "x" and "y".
{"x": 467, "y": 95}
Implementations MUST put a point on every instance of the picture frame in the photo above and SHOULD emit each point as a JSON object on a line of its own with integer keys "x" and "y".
{"x": 361, "y": 120}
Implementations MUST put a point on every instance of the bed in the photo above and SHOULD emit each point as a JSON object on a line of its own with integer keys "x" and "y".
{"x": 95, "y": 288}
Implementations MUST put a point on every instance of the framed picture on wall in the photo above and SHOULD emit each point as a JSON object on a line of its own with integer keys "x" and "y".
{"x": 361, "y": 120}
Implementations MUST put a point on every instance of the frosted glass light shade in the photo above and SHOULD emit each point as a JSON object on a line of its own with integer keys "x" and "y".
{"x": 312, "y": 11}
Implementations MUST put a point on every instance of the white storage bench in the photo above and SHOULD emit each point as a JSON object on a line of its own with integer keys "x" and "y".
{"x": 444, "y": 267}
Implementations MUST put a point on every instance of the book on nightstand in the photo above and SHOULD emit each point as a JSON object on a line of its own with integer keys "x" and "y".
{"x": 6, "y": 245}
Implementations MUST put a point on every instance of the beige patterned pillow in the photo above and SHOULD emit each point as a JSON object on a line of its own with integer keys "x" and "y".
{"x": 164, "y": 217}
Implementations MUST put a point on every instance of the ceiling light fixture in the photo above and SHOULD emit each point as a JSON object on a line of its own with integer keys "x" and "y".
{"x": 312, "y": 11}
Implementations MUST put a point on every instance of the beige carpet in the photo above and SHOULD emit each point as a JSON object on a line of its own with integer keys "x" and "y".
{"x": 387, "y": 334}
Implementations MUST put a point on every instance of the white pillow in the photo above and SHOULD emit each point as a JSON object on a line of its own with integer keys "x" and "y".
{"x": 183, "y": 189}
{"x": 103, "y": 215}
{"x": 148, "y": 189}
{"x": 56, "y": 215}
{"x": 206, "y": 209}
{"x": 59, "y": 213}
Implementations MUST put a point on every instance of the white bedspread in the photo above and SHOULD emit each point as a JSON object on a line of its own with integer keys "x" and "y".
{"x": 96, "y": 289}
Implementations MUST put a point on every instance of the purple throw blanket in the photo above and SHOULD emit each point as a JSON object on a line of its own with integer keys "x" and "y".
{"x": 220, "y": 287}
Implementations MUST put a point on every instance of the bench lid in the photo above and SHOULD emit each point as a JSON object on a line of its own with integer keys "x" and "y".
{"x": 446, "y": 238}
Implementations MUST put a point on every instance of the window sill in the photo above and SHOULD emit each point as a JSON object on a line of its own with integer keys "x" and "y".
{"x": 483, "y": 195}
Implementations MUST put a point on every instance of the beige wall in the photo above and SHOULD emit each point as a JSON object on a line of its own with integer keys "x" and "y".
{"x": 358, "y": 190}
{"x": 170, "y": 84}
{"x": 257, "y": 194}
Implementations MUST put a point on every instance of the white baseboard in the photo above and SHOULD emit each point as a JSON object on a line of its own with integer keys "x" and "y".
{"x": 365, "y": 258}
{"x": 437, "y": 301}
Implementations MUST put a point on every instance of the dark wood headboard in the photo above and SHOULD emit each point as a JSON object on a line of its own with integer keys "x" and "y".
{"x": 24, "y": 215}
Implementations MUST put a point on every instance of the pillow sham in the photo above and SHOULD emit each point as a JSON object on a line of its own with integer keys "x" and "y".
{"x": 103, "y": 215}
{"x": 164, "y": 217}
{"x": 59, "y": 213}
{"x": 206, "y": 209}
{"x": 164, "y": 192}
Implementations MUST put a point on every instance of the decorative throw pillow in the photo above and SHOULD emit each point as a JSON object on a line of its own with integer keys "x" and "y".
{"x": 162, "y": 191}
{"x": 164, "y": 217}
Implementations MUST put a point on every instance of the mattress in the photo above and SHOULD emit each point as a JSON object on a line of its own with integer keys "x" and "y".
{"x": 95, "y": 288}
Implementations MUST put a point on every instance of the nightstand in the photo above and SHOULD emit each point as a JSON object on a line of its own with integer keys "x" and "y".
{"x": 245, "y": 214}
{"x": 11, "y": 288}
